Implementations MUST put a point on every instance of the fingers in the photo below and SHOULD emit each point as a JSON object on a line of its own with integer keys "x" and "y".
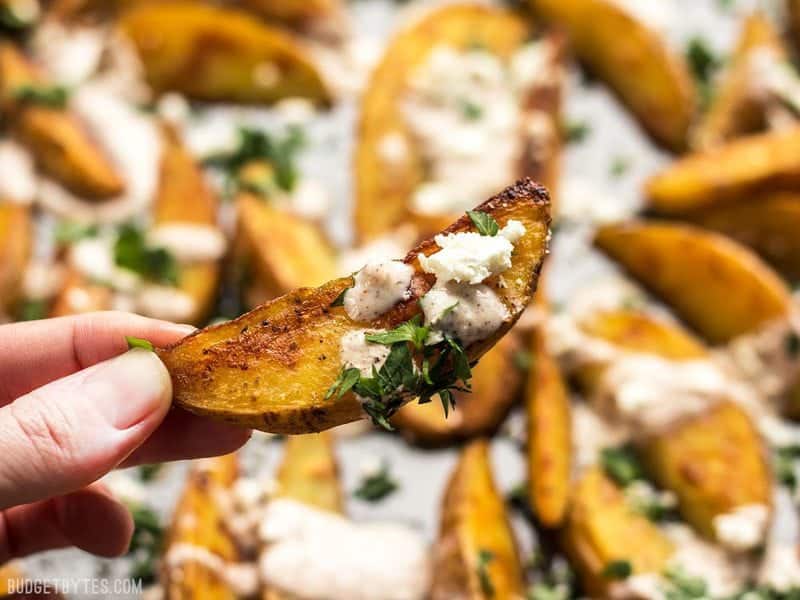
{"x": 91, "y": 519}
{"x": 183, "y": 435}
{"x": 66, "y": 434}
{"x": 36, "y": 353}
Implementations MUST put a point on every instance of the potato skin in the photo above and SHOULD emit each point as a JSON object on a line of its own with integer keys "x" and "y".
{"x": 745, "y": 167}
{"x": 495, "y": 386}
{"x": 198, "y": 521}
{"x": 211, "y": 53}
{"x": 58, "y": 139}
{"x": 549, "y": 436}
{"x": 717, "y": 286}
{"x": 474, "y": 519}
{"x": 714, "y": 462}
{"x": 383, "y": 189}
{"x": 634, "y": 60}
{"x": 601, "y": 527}
{"x": 271, "y": 368}
{"x": 16, "y": 239}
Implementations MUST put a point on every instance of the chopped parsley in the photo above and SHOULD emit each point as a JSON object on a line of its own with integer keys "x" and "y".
{"x": 339, "y": 300}
{"x": 484, "y": 223}
{"x": 470, "y": 110}
{"x": 32, "y": 310}
{"x": 69, "y": 232}
{"x": 542, "y": 591}
{"x": 792, "y": 344}
{"x": 576, "y": 131}
{"x": 376, "y": 487}
{"x": 255, "y": 146}
{"x": 553, "y": 575}
{"x": 619, "y": 166}
{"x": 620, "y": 463}
{"x": 523, "y": 360}
{"x": 703, "y": 64}
{"x": 785, "y": 462}
{"x": 410, "y": 331}
{"x": 617, "y": 570}
{"x": 135, "y": 342}
{"x": 51, "y": 96}
{"x": 682, "y": 586}
{"x": 150, "y": 472}
{"x": 148, "y": 536}
{"x": 482, "y": 569}
{"x": 132, "y": 252}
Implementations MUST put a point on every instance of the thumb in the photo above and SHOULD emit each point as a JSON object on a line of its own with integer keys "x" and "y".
{"x": 67, "y": 434}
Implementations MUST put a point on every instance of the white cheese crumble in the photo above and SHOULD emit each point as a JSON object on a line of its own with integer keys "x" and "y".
{"x": 317, "y": 554}
{"x": 188, "y": 242}
{"x": 743, "y": 528}
{"x": 469, "y": 313}
{"x": 357, "y": 352}
{"x": 17, "y": 176}
{"x": 377, "y": 288}
{"x": 469, "y": 257}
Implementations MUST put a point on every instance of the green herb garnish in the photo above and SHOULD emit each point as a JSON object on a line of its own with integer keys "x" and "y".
{"x": 32, "y": 310}
{"x": 482, "y": 569}
{"x": 146, "y": 543}
{"x": 619, "y": 166}
{"x": 523, "y": 360}
{"x": 682, "y": 586}
{"x": 792, "y": 344}
{"x": 576, "y": 131}
{"x": 703, "y": 63}
{"x": 470, "y": 110}
{"x": 69, "y": 232}
{"x": 11, "y": 19}
{"x": 374, "y": 488}
{"x": 784, "y": 462}
{"x": 135, "y": 342}
{"x": 150, "y": 472}
{"x": 51, "y": 96}
{"x": 621, "y": 465}
{"x": 410, "y": 331}
{"x": 618, "y": 570}
{"x": 132, "y": 252}
{"x": 484, "y": 223}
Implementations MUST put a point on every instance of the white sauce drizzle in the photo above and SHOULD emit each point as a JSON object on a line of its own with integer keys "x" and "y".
{"x": 377, "y": 288}
{"x": 357, "y": 352}
{"x": 189, "y": 242}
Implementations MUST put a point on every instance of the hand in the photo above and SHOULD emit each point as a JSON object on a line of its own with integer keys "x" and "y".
{"x": 75, "y": 404}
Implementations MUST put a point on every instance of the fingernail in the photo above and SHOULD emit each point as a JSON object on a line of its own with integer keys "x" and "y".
{"x": 129, "y": 388}
{"x": 182, "y": 328}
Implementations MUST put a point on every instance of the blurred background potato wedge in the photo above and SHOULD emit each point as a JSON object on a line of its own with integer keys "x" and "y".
{"x": 16, "y": 243}
{"x": 309, "y": 472}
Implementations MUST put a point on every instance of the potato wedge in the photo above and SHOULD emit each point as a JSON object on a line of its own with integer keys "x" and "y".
{"x": 549, "y": 436}
{"x": 293, "y": 12}
{"x": 309, "y": 472}
{"x": 476, "y": 414}
{"x": 279, "y": 251}
{"x": 748, "y": 166}
{"x": 714, "y": 462}
{"x": 58, "y": 139}
{"x": 271, "y": 368}
{"x": 476, "y": 554}
{"x": 16, "y": 239}
{"x": 212, "y": 53}
{"x": 198, "y": 522}
{"x": 601, "y": 527}
{"x": 384, "y": 187}
{"x": 767, "y": 224}
{"x": 79, "y": 295}
{"x": 735, "y": 111}
{"x": 635, "y": 61}
{"x": 717, "y": 286}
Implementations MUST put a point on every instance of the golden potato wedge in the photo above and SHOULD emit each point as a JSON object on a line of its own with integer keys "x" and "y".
{"x": 16, "y": 239}
{"x": 309, "y": 472}
{"x": 635, "y": 61}
{"x": 270, "y": 369}
{"x": 198, "y": 522}
{"x": 280, "y": 251}
{"x": 58, "y": 139}
{"x": 384, "y": 187}
{"x": 476, "y": 554}
{"x": 549, "y": 436}
{"x": 767, "y": 224}
{"x": 734, "y": 110}
{"x": 213, "y": 53}
{"x": 11, "y": 575}
{"x": 714, "y": 462}
{"x": 293, "y": 12}
{"x": 748, "y": 166}
{"x": 601, "y": 527}
{"x": 476, "y": 414}
{"x": 718, "y": 287}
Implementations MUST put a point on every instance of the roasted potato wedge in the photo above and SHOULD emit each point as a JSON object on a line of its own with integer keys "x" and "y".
{"x": 768, "y": 225}
{"x": 601, "y": 527}
{"x": 270, "y": 369}
{"x": 212, "y": 53}
{"x": 714, "y": 462}
{"x": 635, "y": 61}
{"x": 384, "y": 186}
{"x": 475, "y": 414}
{"x": 198, "y": 522}
{"x": 58, "y": 140}
{"x": 745, "y": 167}
{"x": 15, "y": 248}
{"x": 279, "y": 251}
{"x": 717, "y": 286}
{"x": 309, "y": 472}
{"x": 476, "y": 554}
{"x": 293, "y": 12}
{"x": 549, "y": 436}
{"x": 735, "y": 111}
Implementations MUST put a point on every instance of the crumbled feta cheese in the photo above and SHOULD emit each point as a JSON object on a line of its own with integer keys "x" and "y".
{"x": 357, "y": 352}
{"x": 469, "y": 313}
{"x": 69, "y": 54}
{"x": 513, "y": 231}
{"x": 393, "y": 149}
{"x": 469, "y": 257}
{"x": 377, "y": 288}
{"x": 188, "y": 242}
{"x": 743, "y": 528}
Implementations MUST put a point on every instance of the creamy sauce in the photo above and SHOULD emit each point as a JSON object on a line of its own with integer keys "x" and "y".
{"x": 164, "y": 302}
{"x": 378, "y": 287}
{"x": 241, "y": 578}
{"x": 17, "y": 177}
{"x": 743, "y": 528}
{"x": 69, "y": 55}
{"x": 189, "y": 242}
{"x": 42, "y": 280}
{"x": 315, "y": 554}
{"x": 469, "y": 313}
{"x": 357, "y": 352}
